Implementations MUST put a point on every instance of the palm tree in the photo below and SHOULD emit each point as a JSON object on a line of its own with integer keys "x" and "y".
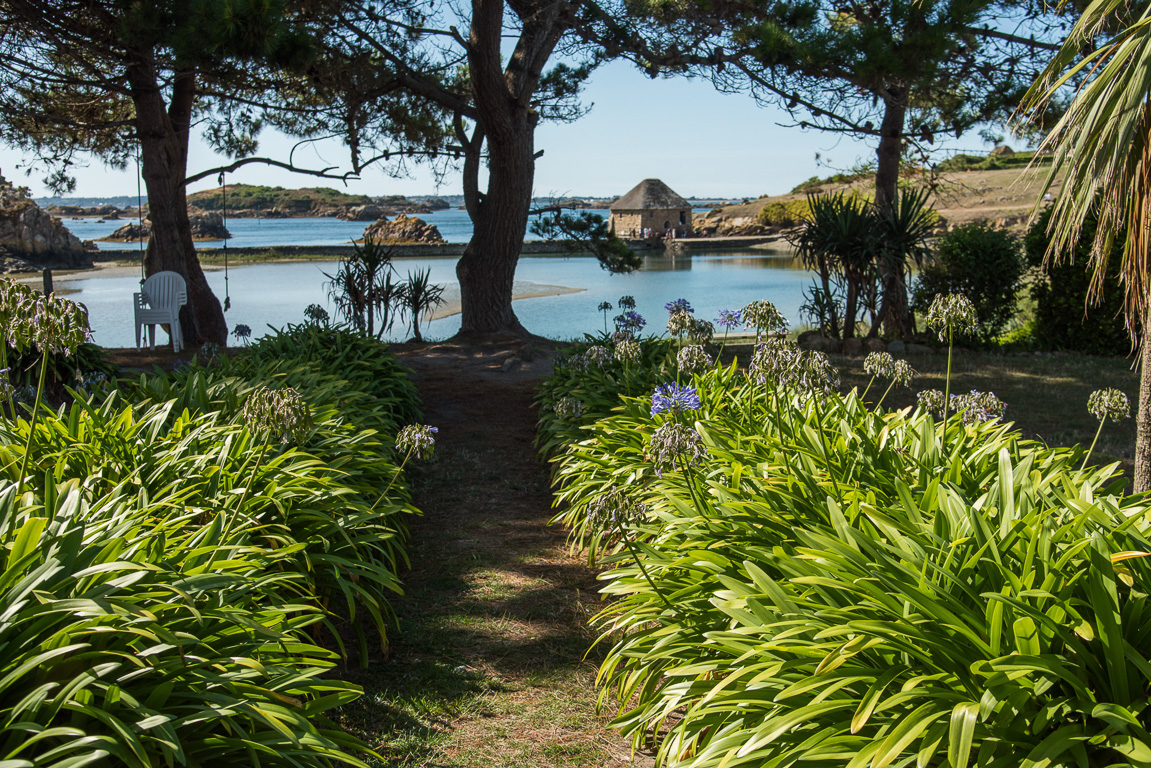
{"x": 1102, "y": 145}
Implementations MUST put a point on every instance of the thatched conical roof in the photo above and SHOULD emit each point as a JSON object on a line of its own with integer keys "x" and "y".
{"x": 650, "y": 194}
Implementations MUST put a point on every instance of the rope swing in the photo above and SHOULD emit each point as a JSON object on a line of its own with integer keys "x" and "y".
{"x": 224, "y": 215}
{"x": 139, "y": 214}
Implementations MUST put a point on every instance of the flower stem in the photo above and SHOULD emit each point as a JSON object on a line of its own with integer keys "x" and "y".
{"x": 4, "y": 368}
{"x": 947, "y": 381}
{"x": 32, "y": 421}
{"x": 640, "y": 565}
{"x": 1093, "y": 441}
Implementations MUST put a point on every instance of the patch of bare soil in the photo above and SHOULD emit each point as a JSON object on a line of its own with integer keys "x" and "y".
{"x": 488, "y": 666}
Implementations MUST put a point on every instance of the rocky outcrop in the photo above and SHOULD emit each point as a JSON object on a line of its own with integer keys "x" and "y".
{"x": 30, "y": 238}
{"x": 362, "y": 213}
{"x": 100, "y": 211}
{"x": 403, "y": 229}
{"x": 205, "y": 226}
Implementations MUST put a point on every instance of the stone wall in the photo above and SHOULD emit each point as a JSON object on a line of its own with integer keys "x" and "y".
{"x": 628, "y": 223}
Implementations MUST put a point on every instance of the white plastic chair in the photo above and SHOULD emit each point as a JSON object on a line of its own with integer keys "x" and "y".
{"x": 158, "y": 303}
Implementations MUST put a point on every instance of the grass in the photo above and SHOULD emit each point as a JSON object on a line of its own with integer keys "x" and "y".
{"x": 1046, "y": 394}
{"x": 489, "y": 665}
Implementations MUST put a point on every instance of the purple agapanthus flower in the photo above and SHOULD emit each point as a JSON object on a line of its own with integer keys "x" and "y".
{"x": 679, "y": 305}
{"x": 675, "y": 398}
{"x": 631, "y": 322}
{"x": 728, "y": 319}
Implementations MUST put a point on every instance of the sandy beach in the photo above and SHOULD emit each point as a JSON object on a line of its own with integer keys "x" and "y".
{"x": 521, "y": 289}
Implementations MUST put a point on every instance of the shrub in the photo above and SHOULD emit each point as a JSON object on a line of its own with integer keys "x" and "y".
{"x": 828, "y": 584}
{"x": 170, "y": 572}
{"x": 982, "y": 263}
{"x": 783, "y": 214}
{"x": 1063, "y": 318}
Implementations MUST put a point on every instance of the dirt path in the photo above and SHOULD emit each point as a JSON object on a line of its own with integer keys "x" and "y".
{"x": 488, "y": 665}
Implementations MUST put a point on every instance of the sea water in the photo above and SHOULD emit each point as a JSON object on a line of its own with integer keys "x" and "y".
{"x": 454, "y": 226}
{"x": 264, "y": 295}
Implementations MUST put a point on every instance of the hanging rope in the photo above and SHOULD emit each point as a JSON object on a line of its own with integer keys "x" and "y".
{"x": 139, "y": 214}
{"x": 224, "y": 210}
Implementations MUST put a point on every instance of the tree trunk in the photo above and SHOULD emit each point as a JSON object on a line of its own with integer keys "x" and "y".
{"x": 893, "y": 311}
{"x": 1143, "y": 418}
{"x": 163, "y": 135}
{"x": 487, "y": 269}
{"x": 506, "y": 120}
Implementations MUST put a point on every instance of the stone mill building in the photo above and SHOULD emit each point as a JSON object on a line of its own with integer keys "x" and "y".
{"x": 651, "y": 205}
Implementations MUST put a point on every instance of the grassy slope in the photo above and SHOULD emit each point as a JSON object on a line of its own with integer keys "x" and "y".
{"x": 1005, "y": 196}
{"x": 266, "y": 198}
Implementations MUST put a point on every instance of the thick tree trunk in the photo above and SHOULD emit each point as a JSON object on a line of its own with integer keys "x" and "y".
{"x": 163, "y": 135}
{"x": 506, "y": 120}
{"x": 1143, "y": 418}
{"x": 894, "y": 311}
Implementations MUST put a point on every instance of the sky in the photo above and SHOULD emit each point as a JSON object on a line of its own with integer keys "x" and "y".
{"x": 700, "y": 142}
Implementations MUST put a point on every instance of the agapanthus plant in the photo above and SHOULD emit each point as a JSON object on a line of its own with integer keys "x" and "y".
{"x": 883, "y": 365}
{"x": 764, "y": 317}
{"x": 674, "y": 399}
{"x": 417, "y": 440}
{"x": 679, "y": 323}
{"x": 678, "y": 305}
{"x": 693, "y": 359}
{"x": 947, "y": 315}
{"x": 630, "y": 322}
{"x": 54, "y": 326}
{"x": 1106, "y": 404}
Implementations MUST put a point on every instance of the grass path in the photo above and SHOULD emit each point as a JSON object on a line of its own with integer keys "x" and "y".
{"x": 488, "y": 666}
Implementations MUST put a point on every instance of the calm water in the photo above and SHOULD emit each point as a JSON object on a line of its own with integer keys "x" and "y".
{"x": 276, "y": 294}
{"x": 454, "y": 226}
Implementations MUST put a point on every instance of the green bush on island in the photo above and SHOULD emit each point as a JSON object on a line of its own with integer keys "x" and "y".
{"x": 797, "y": 578}
{"x": 176, "y": 555}
{"x": 783, "y": 214}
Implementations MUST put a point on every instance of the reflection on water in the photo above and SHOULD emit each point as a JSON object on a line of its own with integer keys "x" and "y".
{"x": 276, "y": 294}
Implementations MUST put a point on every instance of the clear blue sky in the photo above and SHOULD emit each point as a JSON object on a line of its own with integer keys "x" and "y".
{"x": 700, "y": 142}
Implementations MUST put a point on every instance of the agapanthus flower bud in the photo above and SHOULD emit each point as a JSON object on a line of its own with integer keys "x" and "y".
{"x": 1109, "y": 403}
{"x": 417, "y": 440}
{"x": 597, "y": 356}
{"x": 679, "y": 323}
{"x": 675, "y": 446}
{"x": 627, "y": 351}
{"x": 815, "y": 373}
{"x": 931, "y": 401}
{"x": 728, "y": 319}
{"x": 883, "y": 365}
{"x": 878, "y": 364}
{"x": 568, "y": 408}
{"x": 675, "y": 398}
{"x": 952, "y": 312}
{"x": 615, "y": 507}
{"x": 978, "y": 406}
{"x": 774, "y": 362}
{"x": 15, "y": 308}
{"x": 631, "y": 322}
{"x": 316, "y": 314}
{"x": 57, "y": 325}
{"x": 764, "y": 316}
{"x": 279, "y": 413}
{"x": 701, "y": 332}
{"x": 693, "y": 359}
